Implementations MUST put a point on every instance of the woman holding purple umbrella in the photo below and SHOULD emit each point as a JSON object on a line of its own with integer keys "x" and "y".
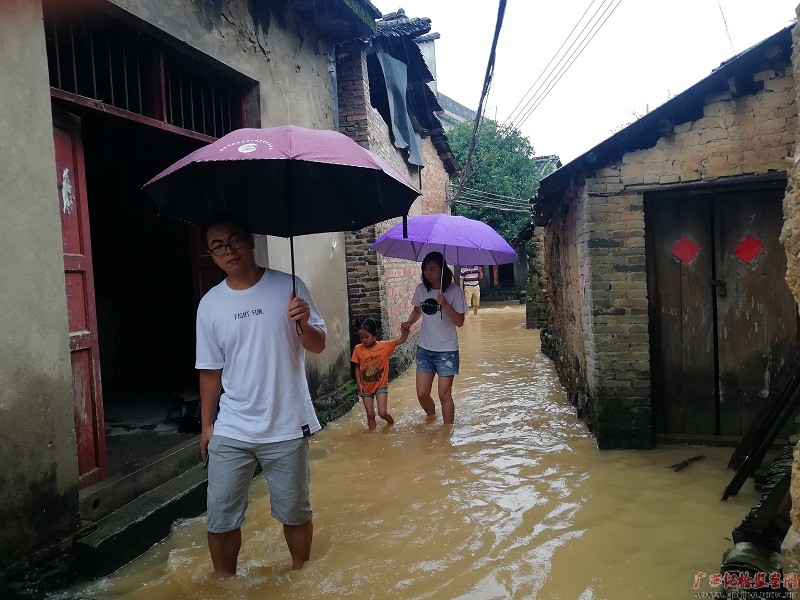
{"x": 441, "y": 306}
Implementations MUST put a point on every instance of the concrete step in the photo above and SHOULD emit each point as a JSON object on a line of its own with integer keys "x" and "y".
{"x": 100, "y": 500}
{"x": 132, "y": 529}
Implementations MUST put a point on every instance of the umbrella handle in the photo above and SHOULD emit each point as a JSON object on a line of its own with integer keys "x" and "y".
{"x": 297, "y": 326}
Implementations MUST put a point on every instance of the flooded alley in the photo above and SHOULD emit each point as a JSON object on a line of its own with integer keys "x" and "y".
{"x": 513, "y": 501}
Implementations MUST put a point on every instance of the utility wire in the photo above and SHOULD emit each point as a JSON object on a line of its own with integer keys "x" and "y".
{"x": 725, "y": 22}
{"x": 490, "y": 195}
{"x": 493, "y": 194}
{"x": 547, "y": 72}
{"x": 484, "y": 205}
{"x": 487, "y": 81}
{"x": 554, "y": 75}
{"x": 566, "y": 68}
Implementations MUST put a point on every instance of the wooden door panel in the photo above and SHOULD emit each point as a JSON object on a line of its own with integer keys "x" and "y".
{"x": 85, "y": 411}
{"x": 681, "y": 317}
{"x": 77, "y": 315}
{"x": 757, "y": 316}
{"x": 79, "y": 289}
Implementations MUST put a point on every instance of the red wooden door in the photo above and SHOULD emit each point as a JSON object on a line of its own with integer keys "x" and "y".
{"x": 79, "y": 284}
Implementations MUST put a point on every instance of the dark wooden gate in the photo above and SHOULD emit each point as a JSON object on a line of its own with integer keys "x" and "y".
{"x": 81, "y": 311}
{"x": 722, "y": 318}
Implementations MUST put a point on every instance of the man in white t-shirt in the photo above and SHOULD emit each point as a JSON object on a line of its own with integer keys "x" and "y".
{"x": 252, "y": 336}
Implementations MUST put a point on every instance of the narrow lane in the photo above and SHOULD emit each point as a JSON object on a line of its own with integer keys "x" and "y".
{"x": 513, "y": 501}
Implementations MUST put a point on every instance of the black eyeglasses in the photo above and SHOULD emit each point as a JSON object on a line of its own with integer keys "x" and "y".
{"x": 222, "y": 249}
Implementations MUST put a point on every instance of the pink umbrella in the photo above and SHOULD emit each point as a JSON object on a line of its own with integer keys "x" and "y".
{"x": 286, "y": 181}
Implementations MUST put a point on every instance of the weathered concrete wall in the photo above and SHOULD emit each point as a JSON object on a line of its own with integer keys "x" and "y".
{"x": 790, "y": 237}
{"x": 38, "y": 464}
{"x": 261, "y": 41}
{"x": 38, "y": 488}
{"x": 746, "y": 136}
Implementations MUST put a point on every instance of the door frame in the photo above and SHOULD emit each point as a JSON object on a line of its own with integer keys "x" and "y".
{"x": 87, "y": 396}
{"x": 756, "y": 184}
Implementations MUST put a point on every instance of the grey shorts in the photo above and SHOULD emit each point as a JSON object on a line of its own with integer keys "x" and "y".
{"x": 231, "y": 466}
{"x": 381, "y": 390}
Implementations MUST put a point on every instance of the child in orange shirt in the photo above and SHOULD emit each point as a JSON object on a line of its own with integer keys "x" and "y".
{"x": 372, "y": 369}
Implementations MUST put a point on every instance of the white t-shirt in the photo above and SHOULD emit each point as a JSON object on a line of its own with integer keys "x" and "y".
{"x": 248, "y": 335}
{"x": 438, "y": 332}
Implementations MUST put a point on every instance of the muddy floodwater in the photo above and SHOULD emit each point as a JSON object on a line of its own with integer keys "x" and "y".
{"x": 513, "y": 501}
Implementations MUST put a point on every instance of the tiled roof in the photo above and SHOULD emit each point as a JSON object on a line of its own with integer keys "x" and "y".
{"x": 428, "y": 37}
{"x": 397, "y": 24}
{"x": 686, "y": 106}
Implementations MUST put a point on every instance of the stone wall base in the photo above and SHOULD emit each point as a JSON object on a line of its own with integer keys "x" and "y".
{"x": 622, "y": 428}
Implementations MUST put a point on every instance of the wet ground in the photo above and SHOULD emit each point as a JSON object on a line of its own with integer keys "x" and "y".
{"x": 513, "y": 501}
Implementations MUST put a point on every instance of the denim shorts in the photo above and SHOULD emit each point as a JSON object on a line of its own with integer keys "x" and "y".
{"x": 444, "y": 364}
{"x": 381, "y": 390}
{"x": 231, "y": 465}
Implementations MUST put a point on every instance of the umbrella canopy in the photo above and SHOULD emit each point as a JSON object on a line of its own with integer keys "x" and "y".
{"x": 462, "y": 241}
{"x": 286, "y": 181}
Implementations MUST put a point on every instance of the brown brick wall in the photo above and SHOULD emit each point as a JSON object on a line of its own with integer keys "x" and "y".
{"x": 748, "y": 135}
{"x": 378, "y": 287}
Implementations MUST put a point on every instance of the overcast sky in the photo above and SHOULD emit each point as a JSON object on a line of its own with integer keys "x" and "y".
{"x": 646, "y": 52}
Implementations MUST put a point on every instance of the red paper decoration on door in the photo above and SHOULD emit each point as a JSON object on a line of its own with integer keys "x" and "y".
{"x": 748, "y": 249}
{"x": 685, "y": 250}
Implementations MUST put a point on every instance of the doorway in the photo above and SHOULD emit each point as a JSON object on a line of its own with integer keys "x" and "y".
{"x": 722, "y": 318}
{"x": 143, "y": 269}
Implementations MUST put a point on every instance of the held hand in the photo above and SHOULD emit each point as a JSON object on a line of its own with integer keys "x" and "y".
{"x": 205, "y": 437}
{"x": 299, "y": 310}
{"x": 405, "y": 326}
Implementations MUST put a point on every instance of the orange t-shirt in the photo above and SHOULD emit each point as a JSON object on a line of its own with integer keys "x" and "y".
{"x": 374, "y": 364}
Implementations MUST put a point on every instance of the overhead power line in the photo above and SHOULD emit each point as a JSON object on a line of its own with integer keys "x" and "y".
{"x": 553, "y": 73}
{"x": 475, "y": 197}
{"x": 725, "y": 22}
{"x": 481, "y": 204}
{"x": 556, "y": 68}
{"x": 487, "y": 82}
{"x": 544, "y": 72}
{"x": 609, "y": 10}
{"x": 514, "y": 198}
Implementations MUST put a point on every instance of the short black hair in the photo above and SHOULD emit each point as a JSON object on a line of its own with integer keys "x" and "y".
{"x": 369, "y": 325}
{"x": 224, "y": 217}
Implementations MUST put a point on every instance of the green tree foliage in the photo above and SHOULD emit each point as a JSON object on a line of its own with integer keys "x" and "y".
{"x": 502, "y": 163}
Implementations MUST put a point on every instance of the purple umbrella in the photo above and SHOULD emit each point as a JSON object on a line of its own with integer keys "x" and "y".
{"x": 462, "y": 241}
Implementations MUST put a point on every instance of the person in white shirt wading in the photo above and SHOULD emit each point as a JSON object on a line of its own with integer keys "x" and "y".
{"x": 249, "y": 345}
{"x": 440, "y": 304}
